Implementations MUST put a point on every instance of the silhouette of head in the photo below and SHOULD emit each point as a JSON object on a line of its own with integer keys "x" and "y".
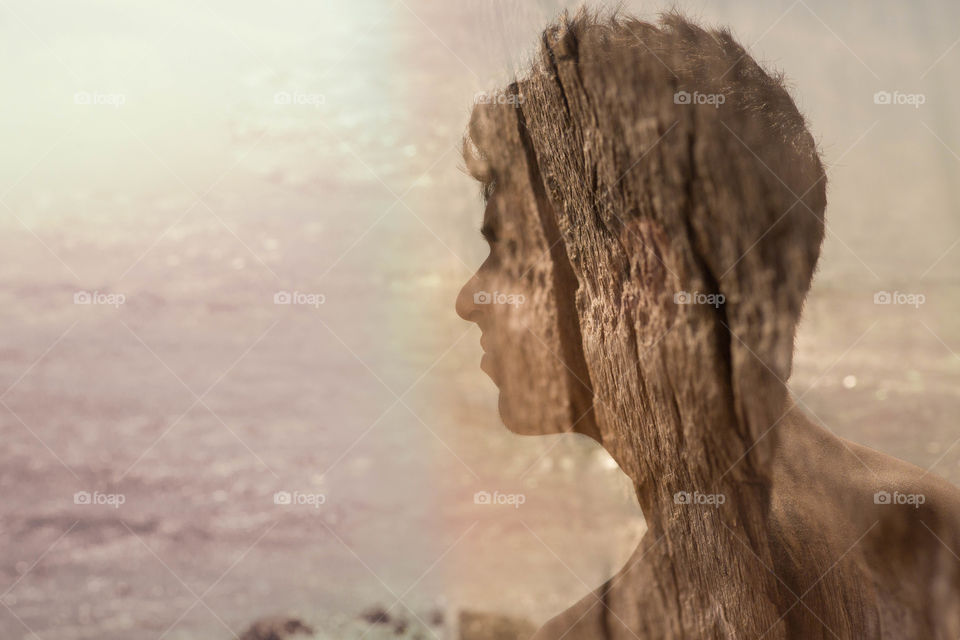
{"x": 654, "y": 209}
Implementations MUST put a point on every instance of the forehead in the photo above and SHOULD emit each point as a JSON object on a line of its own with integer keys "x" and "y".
{"x": 496, "y": 157}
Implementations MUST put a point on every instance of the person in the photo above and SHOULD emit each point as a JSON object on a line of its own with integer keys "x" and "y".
{"x": 655, "y": 210}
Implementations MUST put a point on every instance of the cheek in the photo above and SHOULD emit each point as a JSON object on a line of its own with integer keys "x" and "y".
{"x": 521, "y": 323}
{"x": 520, "y": 303}
{"x": 525, "y": 352}
{"x": 515, "y": 278}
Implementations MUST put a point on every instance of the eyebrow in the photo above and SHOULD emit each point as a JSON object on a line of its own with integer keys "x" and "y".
{"x": 487, "y": 185}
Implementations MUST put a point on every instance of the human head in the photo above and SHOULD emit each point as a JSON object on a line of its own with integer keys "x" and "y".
{"x": 632, "y": 164}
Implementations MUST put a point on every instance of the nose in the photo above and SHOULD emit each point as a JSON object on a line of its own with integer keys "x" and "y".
{"x": 467, "y": 308}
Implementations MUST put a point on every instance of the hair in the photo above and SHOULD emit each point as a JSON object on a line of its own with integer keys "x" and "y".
{"x": 747, "y": 184}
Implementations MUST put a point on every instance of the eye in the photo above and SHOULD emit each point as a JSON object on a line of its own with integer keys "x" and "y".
{"x": 489, "y": 233}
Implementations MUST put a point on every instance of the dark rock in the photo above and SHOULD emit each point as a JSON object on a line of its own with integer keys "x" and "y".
{"x": 276, "y": 628}
{"x": 376, "y": 615}
{"x": 435, "y": 617}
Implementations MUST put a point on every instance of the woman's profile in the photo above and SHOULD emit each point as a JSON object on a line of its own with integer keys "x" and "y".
{"x": 655, "y": 212}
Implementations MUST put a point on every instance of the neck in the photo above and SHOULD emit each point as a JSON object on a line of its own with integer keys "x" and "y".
{"x": 707, "y": 509}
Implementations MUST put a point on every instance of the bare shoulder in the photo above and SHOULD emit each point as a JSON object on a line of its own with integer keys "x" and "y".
{"x": 628, "y": 606}
{"x": 820, "y": 477}
{"x": 582, "y": 621}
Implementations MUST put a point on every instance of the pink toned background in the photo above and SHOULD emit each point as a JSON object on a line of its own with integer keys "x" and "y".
{"x": 198, "y": 157}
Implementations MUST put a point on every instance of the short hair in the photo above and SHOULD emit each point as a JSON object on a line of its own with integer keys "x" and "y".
{"x": 623, "y": 113}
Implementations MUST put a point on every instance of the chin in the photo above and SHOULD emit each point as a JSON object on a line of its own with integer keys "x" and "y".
{"x": 508, "y": 417}
{"x": 517, "y": 422}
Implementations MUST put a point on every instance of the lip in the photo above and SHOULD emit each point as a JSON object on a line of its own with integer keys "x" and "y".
{"x": 486, "y": 365}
